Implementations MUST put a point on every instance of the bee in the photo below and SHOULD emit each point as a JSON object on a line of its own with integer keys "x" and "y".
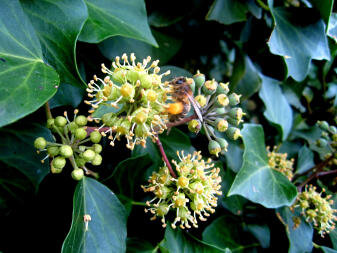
{"x": 182, "y": 95}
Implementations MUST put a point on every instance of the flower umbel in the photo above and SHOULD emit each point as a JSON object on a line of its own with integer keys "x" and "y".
{"x": 279, "y": 162}
{"x": 192, "y": 193}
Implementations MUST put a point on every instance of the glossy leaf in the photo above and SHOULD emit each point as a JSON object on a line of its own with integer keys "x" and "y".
{"x": 305, "y": 160}
{"x": 327, "y": 249}
{"x": 261, "y": 233}
{"x": 298, "y": 43}
{"x": 107, "y": 229}
{"x": 135, "y": 245}
{"x": 17, "y": 150}
{"x": 256, "y": 181}
{"x": 117, "y": 17}
{"x": 324, "y": 8}
{"x": 300, "y": 238}
{"x": 67, "y": 95}
{"x": 278, "y": 111}
{"x": 23, "y": 74}
{"x": 332, "y": 27}
{"x": 333, "y": 238}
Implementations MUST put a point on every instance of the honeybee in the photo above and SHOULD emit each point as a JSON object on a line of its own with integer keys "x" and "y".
{"x": 182, "y": 95}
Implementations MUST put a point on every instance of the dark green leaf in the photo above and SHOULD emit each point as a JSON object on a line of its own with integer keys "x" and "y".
{"x": 23, "y": 74}
{"x": 300, "y": 238}
{"x": 234, "y": 156}
{"x": 107, "y": 229}
{"x": 331, "y": 93}
{"x": 116, "y": 17}
{"x": 116, "y": 46}
{"x": 256, "y": 181}
{"x": 58, "y": 24}
{"x": 159, "y": 19}
{"x": 278, "y": 111}
{"x": 135, "y": 245}
{"x": 293, "y": 98}
{"x": 261, "y": 233}
{"x": 17, "y": 150}
{"x": 327, "y": 250}
{"x": 298, "y": 43}
{"x": 332, "y": 27}
{"x": 67, "y": 95}
{"x": 333, "y": 237}
{"x": 305, "y": 160}
{"x": 324, "y": 8}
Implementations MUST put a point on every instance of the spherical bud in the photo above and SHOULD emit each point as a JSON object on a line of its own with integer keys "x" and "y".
{"x": 201, "y": 100}
{"x": 223, "y": 144}
{"x": 221, "y": 125}
{"x": 95, "y": 136}
{"x": 66, "y": 151}
{"x": 89, "y": 155}
{"x": 236, "y": 113}
{"x": 209, "y": 87}
{"x": 80, "y": 162}
{"x": 80, "y": 133}
{"x": 214, "y": 148}
{"x": 233, "y": 133}
{"x": 333, "y": 129}
{"x": 81, "y": 120}
{"x": 132, "y": 75}
{"x": 194, "y": 126}
{"x": 119, "y": 75}
{"x": 140, "y": 117}
{"x": 97, "y": 160}
{"x": 55, "y": 170}
{"x": 222, "y": 88}
{"x": 220, "y": 111}
{"x": 304, "y": 204}
{"x": 322, "y": 142}
{"x": 234, "y": 122}
{"x": 53, "y": 150}
{"x": 146, "y": 81}
{"x": 221, "y": 100}
{"x": 127, "y": 91}
{"x": 151, "y": 95}
{"x": 77, "y": 174}
{"x": 182, "y": 182}
{"x": 50, "y": 123}
{"x": 97, "y": 148}
{"x": 323, "y": 125}
{"x": 72, "y": 126}
{"x": 59, "y": 162}
{"x": 60, "y": 121}
{"x": 234, "y": 99}
{"x": 199, "y": 79}
{"x": 40, "y": 143}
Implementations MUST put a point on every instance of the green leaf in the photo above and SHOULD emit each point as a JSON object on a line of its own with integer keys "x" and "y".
{"x": 234, "y": 156}
{"x": 305, "y": 160}
{"x": 23, "y": 74}
{"x": 227, "y": 11}
{"x": 327, "y": 249}
{"x": 116, "y": 46}
{"x": 333, "y": 237}
{"x": 178, "y": 241}
{"x": 324, "y": 8}
{"x": 332, "y": 27}
{"x": 298, "y": 43}
{"x": 57, "y": 25}
{"x": 278, "y": 111}
{"x": 261, "y": 233}
{"x": 67, "y": 95}
{"x": 135, "y": 245}
{"x": 17, "y": 150}
{"x": 256, "y": 181}
{"x": 117, "y": 17}
{"x": 300, "y": 238}
{"x": 107, "y": 228}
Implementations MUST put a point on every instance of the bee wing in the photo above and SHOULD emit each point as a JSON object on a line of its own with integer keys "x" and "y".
{"x": 195, "y": 106}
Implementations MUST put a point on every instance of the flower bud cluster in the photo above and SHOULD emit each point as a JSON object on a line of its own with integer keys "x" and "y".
{"x": 139, "y": 95}
{"x": 328, "y": 140}
{"x": 191, "y": 194}
{"x": 73, "y": 135}
{"x": 220, "y": 112}
{"x": 317, "y": 209}
{"x": 279, "y": 162}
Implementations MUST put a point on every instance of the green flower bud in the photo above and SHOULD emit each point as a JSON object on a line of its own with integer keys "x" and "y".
{"x": 323, "y": 125}
{"x": 82, "y": 120}
{"x": 199, "y": 79}
{"x": 234, "y": 99}
{"x": 221, "y": 125}
{"x": 334, "y": 137}
{"x": 97, "y": 148}
{"x": 40, "y": 143}
{"x": 233, "y": 133}
{"x": 50, "y": 123}
{"x": 59, "y": 162}
{"x": 53, "y": 150}
{"x": 194, "y": 126}
{"x": 223, "y": 144}
{"x": 322, "y": 142}
{"x": 66, "y": 151}
{"x": 95, "y": 136}
{"x": 80, "y": 162}
{"x": 201, "y": 100}
{"x": 220, "y": 111}
{"x": 77, "y": 174}
{"x": 97, "y": 160}
{"x": 234, "y": 122}
{"x": 140, "y": 117}
{"x": 127, "y": 91}
{"x": 55, "y": 170}
{"x": 123, "y": 127}
{"x": 222, "y": 88}
{"x": 146, "y": 81}
{"x": 60, "y": 121}
{"x": 89, "y": 155}
{"x": 333, "y": 129}
{"x": 132, "y": 75}
{"x": 236, "y": 113}
{"x": 80, "y": 133}
{"x": 72, "y": 126}
{"x": 214, "y": 148}
{"x": 209, "y": 87}
{"x": 222, "y": 100}
{"x": 119, "y": 75}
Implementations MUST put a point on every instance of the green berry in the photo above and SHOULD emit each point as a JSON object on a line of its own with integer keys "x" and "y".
{"x": 236, "y": 113}
{"x": 55, "y": 170}
{"x": 53, "y": 150}
{"x": 194, "y": 126}
{"x": 97, "y": 148}
{"x": 81, "y": 120}
{"x": 322, "y": 142}
{"x": 234, "y": 99}
{"x": 233, "y": 133}
{"x": 209, "y": 87}
{"x": 95, "y": 137}
{"x": 323, "y": 125}
{"x": 40, "y": 143}
{"x": 66, "y": 151}
{"x": 97, "y": 160}
{"x": 72, "y": 126}
{"x": 214, "y": 148}
{"x": 60, "y": 121}
{"x": 234, "y": 122}
{"x": 199, "y": 79}
{"x": 89, "y": 155}
{"x": 77, "y": 174}
{"x": 222, "y": 100}
{"x": 333, "y": 129}
{"x": 223, "y": 144}
{"x": 80, "y": 133}
{"x": 221, "y": 125}
{"x": 59, "y": 162}
{"x": 222, "y": 88}
{"x": 50, "y": 123}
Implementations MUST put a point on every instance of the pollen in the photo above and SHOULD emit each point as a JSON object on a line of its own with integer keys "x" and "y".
{"x": 175, "y": 108}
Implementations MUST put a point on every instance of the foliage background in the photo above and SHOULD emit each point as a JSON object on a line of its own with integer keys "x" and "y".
{"x": 286, "y": 73}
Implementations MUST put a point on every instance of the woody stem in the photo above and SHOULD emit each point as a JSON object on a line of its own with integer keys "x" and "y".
{"x": 162, "y": 152}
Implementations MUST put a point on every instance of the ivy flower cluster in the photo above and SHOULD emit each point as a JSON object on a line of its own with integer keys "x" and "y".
{"x": 139, "y": 96}
{"x": 328, "y": 139}
{"x": 279, "y": 162}
{"x": 73, "y": 135}
{"x": 193, "y": 193}
{"x": 219, "y": 112}
{"x": 317, "y": 209}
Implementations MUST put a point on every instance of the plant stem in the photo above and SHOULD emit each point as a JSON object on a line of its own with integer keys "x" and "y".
{"x": 48, "y": 111}
{"x": 182, "y": 121}
{"x": 263, "y": 5}
{"x": 161, "y": 149}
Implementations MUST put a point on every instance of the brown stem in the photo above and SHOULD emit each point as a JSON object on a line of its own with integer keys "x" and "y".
{"x": 48, "y": 111}
{"x": 182, "y": 121}
{"x": 161, "y": 149}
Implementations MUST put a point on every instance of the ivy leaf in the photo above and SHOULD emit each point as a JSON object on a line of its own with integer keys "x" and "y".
{"x": 107, "y": 229}
{"x": 117, "y": 17}
{"x": 297, "y": 40}
{"x": 278, "y": 111}
{"x": 333, "y": 238}
{"x": 324, "y": 8}
{"x": 305, "y": 160}
{"x": 256, "y": 181}
{"x": 17, "y": 150}
{"x": 327, "y": 249}
{"x": 300, "y": 238}
{"x": 23, "y": 74}
{"x": 135, "y": 245}
{"x": 67, "y": 95}
{"x": 261, "y": 233}
{"x": 332, "y": 27}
